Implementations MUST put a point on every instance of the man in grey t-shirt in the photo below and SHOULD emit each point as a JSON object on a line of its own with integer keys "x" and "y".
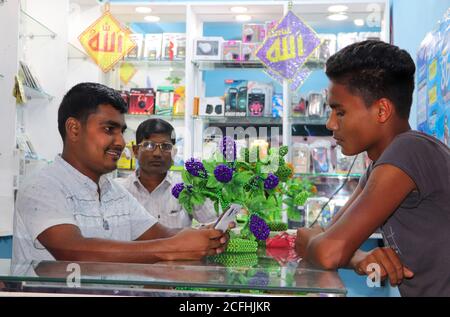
{"x": 406, "y": 190}
{"x": 418, "y": 231}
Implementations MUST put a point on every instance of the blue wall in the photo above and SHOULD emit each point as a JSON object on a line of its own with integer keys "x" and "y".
{"x": 5, "y": 247}
{"x": 413, "y": 19}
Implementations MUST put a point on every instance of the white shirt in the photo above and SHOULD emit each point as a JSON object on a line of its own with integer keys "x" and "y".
{"x": 60, "y": 194}
{"x": 162, "y": 205}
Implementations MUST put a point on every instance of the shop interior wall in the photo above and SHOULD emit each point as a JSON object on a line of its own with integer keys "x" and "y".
{"x": 412, "y": 20}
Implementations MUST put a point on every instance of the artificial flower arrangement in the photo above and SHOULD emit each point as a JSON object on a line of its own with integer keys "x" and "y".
{"x": 296, "y": 191}
{"x": 253, "y": 181}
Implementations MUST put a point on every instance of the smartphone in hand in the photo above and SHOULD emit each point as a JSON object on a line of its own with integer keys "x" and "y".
{"x": 227, "y": 217}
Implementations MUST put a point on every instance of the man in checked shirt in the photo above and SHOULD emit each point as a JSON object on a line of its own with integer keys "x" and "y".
{"x": 152, "y": 182}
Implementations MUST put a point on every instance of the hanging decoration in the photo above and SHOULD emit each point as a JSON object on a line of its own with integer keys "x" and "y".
{"x": 106, "y": 41}
{"x": 286, "y": 49}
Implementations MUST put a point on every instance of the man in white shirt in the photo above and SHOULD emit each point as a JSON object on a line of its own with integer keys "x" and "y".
{"x": 71, "y": 211}
{"x": 152, "y": 183}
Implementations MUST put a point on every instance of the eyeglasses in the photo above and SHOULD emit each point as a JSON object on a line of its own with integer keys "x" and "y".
{"x": 151, "y": 146}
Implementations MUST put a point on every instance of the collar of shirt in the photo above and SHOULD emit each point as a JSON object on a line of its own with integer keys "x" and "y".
{"x": 77, "y": 176}
{"x": 136, "y": 182}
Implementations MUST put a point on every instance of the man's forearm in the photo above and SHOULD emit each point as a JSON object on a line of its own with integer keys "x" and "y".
{"x": 102, "y": 250}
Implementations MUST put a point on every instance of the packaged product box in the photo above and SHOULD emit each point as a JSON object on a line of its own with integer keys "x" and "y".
{"x": 142, "y": 101}
{"x": 164, "y": 100}
{"x": 327, "y": 47}
{"x": 126, "y": 97}
{"x": 313, "y": 211}
{"x": 259, "y": 99}
{"x": 277, "y": 105}
{"x": 269, "y": 26}
{"x": 174, "y": 46}
{"x": 179, "y": 101}
{"x": 253, "y": 32}
{"x": 321, "y": 157}
{"x": 208, "y": 48}
{"x": 126, "y": 158}
{"x": 299, "y": 105}
{"x": 248, "y": 51}
{"x": 231, "y": 51}
{"x": 212, "y": 106}
{"x": 235, "y": 97}
{"x": 301, "y": 158}
{"x": 136, "y": 52}
{"x": 152, "y": 47}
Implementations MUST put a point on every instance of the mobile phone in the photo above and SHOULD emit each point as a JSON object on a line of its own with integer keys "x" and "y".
{"x": 227, "y": 217}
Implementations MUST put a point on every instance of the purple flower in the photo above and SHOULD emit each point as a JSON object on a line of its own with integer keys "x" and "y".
{"x": 228, "y": 148}
{"x": 223, "y": 173}
{"x": 271, "y": 181}
{"x": 177, "y": 189}
{"x": 259, "y": 279}
{"x": 259, "y": 227}
{"x": 195, "y": 167}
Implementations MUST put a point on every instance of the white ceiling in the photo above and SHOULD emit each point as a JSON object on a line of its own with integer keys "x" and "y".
{"x": 313, "y": 12}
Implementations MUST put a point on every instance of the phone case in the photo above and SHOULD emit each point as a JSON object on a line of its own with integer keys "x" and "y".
{"x": 228, "y": 216}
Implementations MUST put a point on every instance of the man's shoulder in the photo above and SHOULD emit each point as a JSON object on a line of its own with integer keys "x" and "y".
{"x": 46, "y": 177}
{"x": 124, "y": 181}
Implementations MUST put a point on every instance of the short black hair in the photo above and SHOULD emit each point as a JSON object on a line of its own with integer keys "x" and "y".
{"x": 83, "y": 100}
{"x": 373, "y": 70}
{"x": 153, "y": 126}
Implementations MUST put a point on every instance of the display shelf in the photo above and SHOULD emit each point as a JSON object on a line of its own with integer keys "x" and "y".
{"x": 240, "y": 120}
{"x": 153, "y": 116}
{"x": 327, "y": 175}
{"x": 261, "y": 120}
{"x": 375, "y": 235}
{"x": 33, "y": 93}
{"x": 308, "y": 120}
{"x": 178, "y": 64}
{"x": 32, "y": 28}
{"x": 221, "y": 64}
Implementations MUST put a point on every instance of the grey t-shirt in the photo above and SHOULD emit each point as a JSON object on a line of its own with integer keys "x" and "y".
{"x": 419, "y": 229}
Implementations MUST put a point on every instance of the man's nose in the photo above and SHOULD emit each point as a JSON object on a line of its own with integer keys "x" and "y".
{"x": 119, "y": 141}
{"x": 332, "y": 122}
{"x": 157, "y": 151}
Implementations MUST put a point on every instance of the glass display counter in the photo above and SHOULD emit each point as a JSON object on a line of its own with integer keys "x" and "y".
{"x": 271, "y": 272}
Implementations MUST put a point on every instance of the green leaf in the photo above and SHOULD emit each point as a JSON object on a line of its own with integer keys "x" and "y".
{"x": 243, "y": 177}
{"x": 209, "y": 166}
{"x": 213, "y": 183}
{"x": 184, "y": 198}
{"x": 197, "y": 199}
{"x": 187, "y": 178}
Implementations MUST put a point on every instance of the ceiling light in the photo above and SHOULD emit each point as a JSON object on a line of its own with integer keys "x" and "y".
{"x": 337, "y": 17}
{"x": 152, "y": 18}
{"x": 238, "y": 9}
{"x": 143, "y": 9}
{"x": 337, "y": 8}
{"x": 358, "y": 22}
{"x": 243, "y": 17}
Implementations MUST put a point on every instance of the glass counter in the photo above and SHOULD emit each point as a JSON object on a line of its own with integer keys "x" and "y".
{"x": 270, "y": 272}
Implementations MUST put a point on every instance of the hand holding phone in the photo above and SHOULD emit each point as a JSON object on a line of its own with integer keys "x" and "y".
{"x": 227, "y": 217}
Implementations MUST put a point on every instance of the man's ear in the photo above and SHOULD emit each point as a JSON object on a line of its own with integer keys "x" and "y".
{"x": 73, "y": 129}
{"x": 384, "y": 109}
